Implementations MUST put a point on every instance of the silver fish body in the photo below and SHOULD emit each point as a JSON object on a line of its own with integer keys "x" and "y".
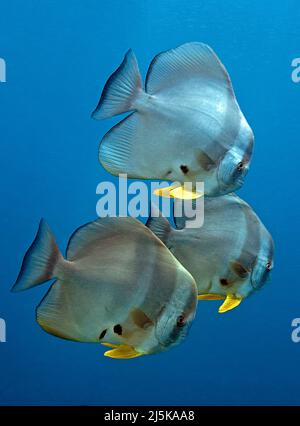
{"x": 118, "y": 285}
{"x": 232, "y": 253}
{"x": 188, "y": 117}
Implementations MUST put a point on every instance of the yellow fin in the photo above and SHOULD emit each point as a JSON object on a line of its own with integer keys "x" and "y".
{"x": 231, "y": 302}
{"x": 123, "y": 352}
{"x": 109, "y": 345}
{"x": 210, "y": 297}
{"x": 184, "y": 194}
{"x": 175, "y": 191}
{"x": 165, "y": 192}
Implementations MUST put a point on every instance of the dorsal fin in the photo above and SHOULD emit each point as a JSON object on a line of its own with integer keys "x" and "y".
{"x": 121, "y": 89}
{"x": 188, "y": 61}
{"x": 88, "y": 234}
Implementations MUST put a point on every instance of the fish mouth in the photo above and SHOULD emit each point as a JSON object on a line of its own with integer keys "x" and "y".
{"x": 239, "y": 182}
{"x": 257, "y": 285}
{"x": 158, "y": 334}
{"x": 254, "y": 285}
{"x": 225, "y": 188}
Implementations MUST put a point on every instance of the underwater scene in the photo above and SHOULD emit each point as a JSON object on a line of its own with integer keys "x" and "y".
{"x": 149, "y": 211}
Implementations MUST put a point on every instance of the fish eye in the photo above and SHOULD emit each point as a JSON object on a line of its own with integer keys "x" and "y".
{"x": 240, "y": 166}
{"x": 269, "y": 265}
{"x": 180, "y": 321}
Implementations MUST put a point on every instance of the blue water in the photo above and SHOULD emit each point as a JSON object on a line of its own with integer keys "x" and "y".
{"x": 58, "y": 55}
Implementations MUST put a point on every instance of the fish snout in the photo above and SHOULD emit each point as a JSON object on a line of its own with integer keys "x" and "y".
{"x": 261, "y": 274}
{"x": 172, "y": 330}
{"x": 264, "y": 263}
{"x": 232, "y": 173}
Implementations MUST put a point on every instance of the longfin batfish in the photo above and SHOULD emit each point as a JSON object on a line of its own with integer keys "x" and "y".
{"x": 118, "y": 285}
{"x": 187, "y": 117}
{"x": 230, "y": 256}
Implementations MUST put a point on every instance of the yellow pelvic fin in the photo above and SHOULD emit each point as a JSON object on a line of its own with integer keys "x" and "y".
{"x": 165, "y": 192}
{"x": 211, "y": 297}
{"x": 175, "y": 191}
{"x": 231, "y": 302}
{"x": 123, "y": 352}
{"x": 184, "y": 194}
{"x": 109, "y": 345}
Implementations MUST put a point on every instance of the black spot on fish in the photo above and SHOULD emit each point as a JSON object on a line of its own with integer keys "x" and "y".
{"x": 184, "y": 169}
{"x": 118, "y": 329}
{"x": 167, "y": 174}
{"x": 223, "y": 281}
{"x": 102, "y": 334}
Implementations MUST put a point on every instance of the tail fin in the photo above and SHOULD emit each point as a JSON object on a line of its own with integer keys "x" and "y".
{"x": 159, "y": 225}
{"x": 121, "y": 89}
{"x": 40, "y": 261}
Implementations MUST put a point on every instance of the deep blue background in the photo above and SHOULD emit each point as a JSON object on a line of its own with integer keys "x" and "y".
{"x": 59, "y": 54}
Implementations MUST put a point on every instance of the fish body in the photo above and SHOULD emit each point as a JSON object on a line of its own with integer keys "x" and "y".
{"x": 230, "y": 255}
{"x": 187, "y": 116}
{"x": 119, "y": 285}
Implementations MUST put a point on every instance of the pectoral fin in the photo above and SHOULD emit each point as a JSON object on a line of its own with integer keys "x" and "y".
{"x": 231, "y": 302}
{"x": 175, "y": 191}
{"x": 210, "y": 297}
{"x": 123, "y": 352}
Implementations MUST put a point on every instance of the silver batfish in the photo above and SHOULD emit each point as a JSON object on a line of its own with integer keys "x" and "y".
{"x": 230, "y": 256}
{"x": 186, "y": 126}
{"x": 119, "y": 285}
